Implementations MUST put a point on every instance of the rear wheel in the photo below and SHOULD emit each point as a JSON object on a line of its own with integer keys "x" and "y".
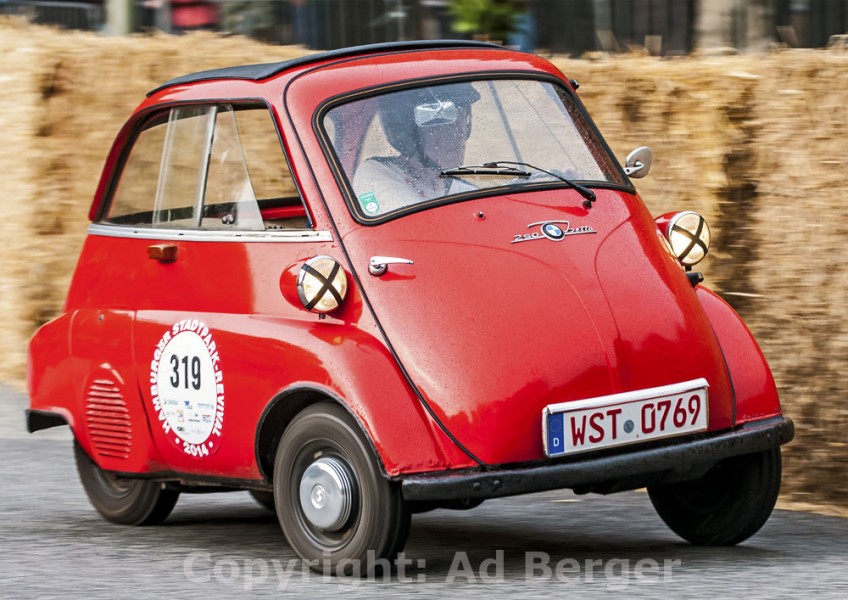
{"x": 333, "y": 503}
{"x": 122, "y": 500}
{"x": 726, "y": 506}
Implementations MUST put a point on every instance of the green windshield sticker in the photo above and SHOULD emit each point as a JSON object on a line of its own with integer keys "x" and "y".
{"x": 369, "y": 203}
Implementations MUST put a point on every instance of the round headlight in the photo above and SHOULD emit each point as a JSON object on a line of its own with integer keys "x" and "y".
{"x": 321, "y": 284}
{"x": 689, "y": 236}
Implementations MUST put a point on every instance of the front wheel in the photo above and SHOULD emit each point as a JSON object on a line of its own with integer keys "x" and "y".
{"x": 122, "y": 500}
{"x": 726, "y": 506}
{"x": 333, "y": 503}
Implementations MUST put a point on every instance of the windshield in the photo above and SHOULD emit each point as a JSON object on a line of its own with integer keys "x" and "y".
{"x": 405, "y": 148}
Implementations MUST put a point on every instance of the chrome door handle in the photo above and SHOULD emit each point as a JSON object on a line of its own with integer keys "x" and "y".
{"x": 380, "y": 264}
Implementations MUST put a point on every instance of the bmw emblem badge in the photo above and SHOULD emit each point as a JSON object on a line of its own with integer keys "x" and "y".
{"x": 553, "y": 232}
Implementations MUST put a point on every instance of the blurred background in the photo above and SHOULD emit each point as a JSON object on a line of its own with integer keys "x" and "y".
{"x": 743, "y": 103}
{"x": 571, "y": 27}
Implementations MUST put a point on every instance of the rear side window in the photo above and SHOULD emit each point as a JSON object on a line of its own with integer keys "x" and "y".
{"x": 211, "y": 167}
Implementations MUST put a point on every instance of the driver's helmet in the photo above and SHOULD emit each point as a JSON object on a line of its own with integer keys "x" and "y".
{"x": 406, "y": 113}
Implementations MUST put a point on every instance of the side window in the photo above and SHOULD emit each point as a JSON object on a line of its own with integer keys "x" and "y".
{"x": 273, "y": 184}
{"x": 132, "y": 200}
{"x": 207, "y": 167}
{"x": 229, "y": 201}
{"x": 179, "y": 191}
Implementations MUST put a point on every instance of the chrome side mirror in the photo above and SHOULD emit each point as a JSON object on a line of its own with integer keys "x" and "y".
{"x": 638, "y": 162}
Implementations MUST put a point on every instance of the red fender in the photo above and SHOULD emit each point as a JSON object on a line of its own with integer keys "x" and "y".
{"x": 76, "y": 368}
{"x": 753, "y": 383}
{"x": 404, "y": 435}
{"x": 48, "y": 355}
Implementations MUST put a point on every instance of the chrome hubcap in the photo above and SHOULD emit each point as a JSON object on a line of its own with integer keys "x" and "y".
{"x": 326, "y": 491}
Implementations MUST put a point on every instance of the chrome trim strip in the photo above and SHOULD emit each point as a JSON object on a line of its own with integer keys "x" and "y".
{"x": 190, "y": 235}
{"x": 602, "y": 401}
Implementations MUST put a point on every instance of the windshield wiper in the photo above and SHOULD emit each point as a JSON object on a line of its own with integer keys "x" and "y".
{"x": 588, "y": 195}
{"x": 487, "y": 169}
{"x": 508, "y": 167}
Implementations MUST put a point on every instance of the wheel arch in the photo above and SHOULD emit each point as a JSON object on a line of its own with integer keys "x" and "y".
{"x": 751, "y": 378}
{"x": 281, "y": 411}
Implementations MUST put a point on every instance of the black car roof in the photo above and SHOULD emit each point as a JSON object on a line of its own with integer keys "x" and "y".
{"x": 263, "y": 71}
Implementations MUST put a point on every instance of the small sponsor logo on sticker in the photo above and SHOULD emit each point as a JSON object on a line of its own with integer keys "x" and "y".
{"x": 187, "y": 387}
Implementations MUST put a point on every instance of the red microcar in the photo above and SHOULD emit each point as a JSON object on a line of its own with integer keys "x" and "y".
{"x": 381, "y": 280}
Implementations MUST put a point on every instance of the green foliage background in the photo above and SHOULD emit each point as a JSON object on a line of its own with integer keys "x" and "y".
{"x": 491, "y": 18}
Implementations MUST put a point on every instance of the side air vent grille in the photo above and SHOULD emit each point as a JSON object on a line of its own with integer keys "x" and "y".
{"x": 108, "y": 419}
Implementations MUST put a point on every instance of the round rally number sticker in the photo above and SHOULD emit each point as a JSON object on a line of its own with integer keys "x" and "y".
{"x": 187, "y": 387}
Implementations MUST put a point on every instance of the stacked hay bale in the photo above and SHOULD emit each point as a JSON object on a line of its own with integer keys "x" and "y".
{"x": 756, "y": 143}
{"x": 800, "y": 267}
{"x": 18, "y": 144}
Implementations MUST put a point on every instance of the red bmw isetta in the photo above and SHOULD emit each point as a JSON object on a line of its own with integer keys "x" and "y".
{"x": 386, "y": 279}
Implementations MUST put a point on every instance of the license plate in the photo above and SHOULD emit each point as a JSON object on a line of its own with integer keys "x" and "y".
{"x": 620, "y": 419}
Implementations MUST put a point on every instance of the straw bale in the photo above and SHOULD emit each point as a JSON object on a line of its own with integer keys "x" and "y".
{"x": 757, "y": 143}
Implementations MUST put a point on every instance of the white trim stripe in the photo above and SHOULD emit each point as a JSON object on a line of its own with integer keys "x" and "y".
{"x": 193, "y": 235}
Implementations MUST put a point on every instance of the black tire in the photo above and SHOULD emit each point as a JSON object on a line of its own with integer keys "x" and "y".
{"x": 726, "y": 506}
{"x": 122, "y": 500}
{"x": 265, "y": 499}
{"x": 378, "y": 521}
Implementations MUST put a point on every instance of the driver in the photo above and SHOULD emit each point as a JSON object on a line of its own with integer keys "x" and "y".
{"x": 428, "y": 128}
